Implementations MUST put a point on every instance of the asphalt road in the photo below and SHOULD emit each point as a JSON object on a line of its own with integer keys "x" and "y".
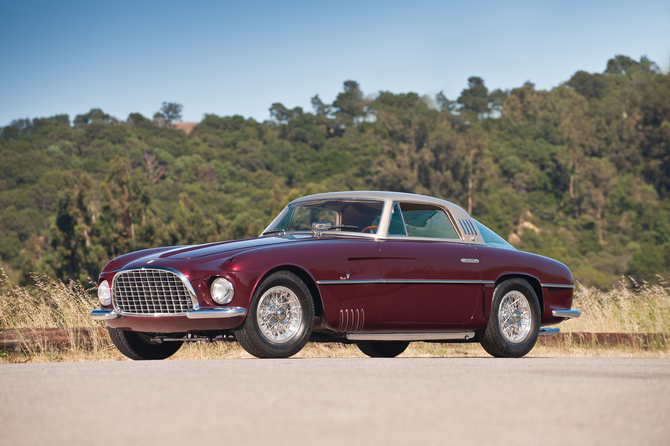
{"x": 403, "y": 401}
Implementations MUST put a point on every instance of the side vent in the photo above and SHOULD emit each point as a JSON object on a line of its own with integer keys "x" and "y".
{"x": 467, "y": 226}
{"x": 351, "y": 321}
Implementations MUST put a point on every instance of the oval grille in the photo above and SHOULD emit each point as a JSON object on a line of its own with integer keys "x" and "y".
{"x": 150, "y": 292}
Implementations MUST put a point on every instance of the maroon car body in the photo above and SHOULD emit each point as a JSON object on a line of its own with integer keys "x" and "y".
{"x": 377, "y": 286}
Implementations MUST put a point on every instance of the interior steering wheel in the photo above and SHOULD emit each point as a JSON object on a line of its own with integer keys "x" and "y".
{"x": 369, "y": 227}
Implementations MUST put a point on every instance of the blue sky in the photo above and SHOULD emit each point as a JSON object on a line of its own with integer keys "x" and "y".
{"x": 239, "y": 57}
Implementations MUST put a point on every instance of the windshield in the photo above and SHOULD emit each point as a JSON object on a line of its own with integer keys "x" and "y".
{"x": 331, "y": 215}
{"x": 491, "y": 238}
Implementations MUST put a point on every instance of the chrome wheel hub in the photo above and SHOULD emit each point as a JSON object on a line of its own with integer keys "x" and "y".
{"x": 514, "y": 317}
{"x": 279, "y": 314}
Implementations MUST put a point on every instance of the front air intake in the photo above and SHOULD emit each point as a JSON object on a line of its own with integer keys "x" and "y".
{"x": 151, "y": 292}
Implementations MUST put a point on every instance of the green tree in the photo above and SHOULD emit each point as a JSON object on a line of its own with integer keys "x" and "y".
{"x": 475, "y": 98}
{"x": 171, "y": 111}
{"x": 350, "y": 102}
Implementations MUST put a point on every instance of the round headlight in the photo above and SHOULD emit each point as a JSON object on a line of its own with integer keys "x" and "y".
{"x": 104, "y": 294}
{"x": 222, "y": 291}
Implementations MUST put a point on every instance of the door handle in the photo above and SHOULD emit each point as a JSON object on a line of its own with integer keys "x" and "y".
{"x": 470, "y": 260}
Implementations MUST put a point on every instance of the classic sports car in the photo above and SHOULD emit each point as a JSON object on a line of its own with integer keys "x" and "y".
{"x": 378, "y": 269}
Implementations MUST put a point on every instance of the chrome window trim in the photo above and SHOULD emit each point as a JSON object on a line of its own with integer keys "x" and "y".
{"x": 405, "y": 281}
{"x": 176, "y": 272}
{"x": 402, "y": 219}
{"x": 557, "y": 285}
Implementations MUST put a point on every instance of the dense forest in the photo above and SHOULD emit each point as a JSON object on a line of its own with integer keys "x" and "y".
{"x": 580, "y": 173}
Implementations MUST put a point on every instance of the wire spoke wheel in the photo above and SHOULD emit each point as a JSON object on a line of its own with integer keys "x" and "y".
{"x": 280, "y": 319}
{"x": 279, "y": 314}
{"x": 514, "y": 322}
{"x": 514, "y": 317}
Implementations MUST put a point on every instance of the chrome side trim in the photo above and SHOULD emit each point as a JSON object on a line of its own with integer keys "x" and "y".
{"x": 470, "y": 260}
{"x": 102, "y": 315}
{"x": 549, "y": 331}
{"x": 216, "y": 313}
{"x": 557, "y": 285}
{"x": 568, "y": 313}
{"x": 401, "y": 281}
{"x": 176, "y": 272}
{"x": 465, "y": 335}
{"x": 347, "y": 282}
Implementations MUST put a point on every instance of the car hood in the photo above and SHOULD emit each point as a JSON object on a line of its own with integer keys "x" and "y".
{"x": 193, "y": 252}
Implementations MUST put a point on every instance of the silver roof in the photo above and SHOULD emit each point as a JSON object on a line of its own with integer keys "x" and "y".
{"x": 379, "y": 195}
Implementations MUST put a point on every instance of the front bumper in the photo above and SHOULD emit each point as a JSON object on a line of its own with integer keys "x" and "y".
{"x": 203, "y": 313}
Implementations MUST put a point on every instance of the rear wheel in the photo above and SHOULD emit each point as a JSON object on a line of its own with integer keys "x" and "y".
{"x": 280, "y": 319}
{"x": 514, "y": 323}
{"x": 382, "y": 349}
{"x": 139, "y": 346}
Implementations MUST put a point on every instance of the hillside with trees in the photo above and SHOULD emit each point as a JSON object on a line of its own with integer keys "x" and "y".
{"x": 580, "y": 173}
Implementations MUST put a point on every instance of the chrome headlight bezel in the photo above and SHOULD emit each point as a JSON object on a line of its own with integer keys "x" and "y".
{"x": 222, "y": 291}
{"x": 104, "y": 294}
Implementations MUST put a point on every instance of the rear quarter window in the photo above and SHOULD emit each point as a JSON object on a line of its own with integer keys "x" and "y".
{"x": 427, "y": 221}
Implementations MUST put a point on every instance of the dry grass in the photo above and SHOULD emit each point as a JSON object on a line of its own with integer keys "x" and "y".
{"x": 643, "y": 309}
{"x": 53, "y": 304}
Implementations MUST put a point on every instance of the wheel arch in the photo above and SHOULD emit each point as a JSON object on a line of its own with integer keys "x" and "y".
{"x": 532, "y": 281}
{"x": 306, "y": 278}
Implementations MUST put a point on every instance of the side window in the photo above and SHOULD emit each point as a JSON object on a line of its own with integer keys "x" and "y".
{"x": 424, "y": 220}
{"x": 397, "y": 226}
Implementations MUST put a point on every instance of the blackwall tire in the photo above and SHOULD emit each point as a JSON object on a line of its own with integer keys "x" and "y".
{"x": 280, "y": 318}
{"x": 382, "y": 349}
{"x": 138, "y": 346}
{"x": 514, "y": 322}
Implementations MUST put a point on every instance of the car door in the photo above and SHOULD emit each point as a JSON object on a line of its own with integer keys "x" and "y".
{"x": 429, "y": 275}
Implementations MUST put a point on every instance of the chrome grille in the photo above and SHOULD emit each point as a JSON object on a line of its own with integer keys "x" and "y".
{"x": 150, "y": 291}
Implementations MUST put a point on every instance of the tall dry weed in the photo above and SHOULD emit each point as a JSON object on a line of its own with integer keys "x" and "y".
{"x": 645, "y": 308}
{"x": 51, "y": 304}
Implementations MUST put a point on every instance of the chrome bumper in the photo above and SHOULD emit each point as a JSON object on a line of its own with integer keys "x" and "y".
{"x": 568, "y": 313}
{"x": 549, "y": 331}
{"x": 205, "y": 313}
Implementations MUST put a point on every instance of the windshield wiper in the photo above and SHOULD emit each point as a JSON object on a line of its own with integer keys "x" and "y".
{"x": 342, "y": 227}
{"x": 275, "y": 231}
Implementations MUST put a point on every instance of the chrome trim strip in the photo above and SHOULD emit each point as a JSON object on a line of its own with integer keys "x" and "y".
{"x": 401, "y": 281}
{"x": 102, "y": 315}
{"x": 568, "y": 313}
{"x": 470, "y": 260}
{"x": 465, "y": 335}
{"x": 557, "y": 285}
{"x": 549, "y": 331}
{"x": 347, "y": 282}
{"x": 216, "y": 313}
{"x": 176, "y": 272}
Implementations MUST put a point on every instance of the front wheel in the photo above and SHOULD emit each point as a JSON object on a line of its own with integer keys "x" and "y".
{"x": 514, "y": 323}
{"x": 139, "y": 346}
{"x": 382, "y": 349}
{"x": 280, "y": 319}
